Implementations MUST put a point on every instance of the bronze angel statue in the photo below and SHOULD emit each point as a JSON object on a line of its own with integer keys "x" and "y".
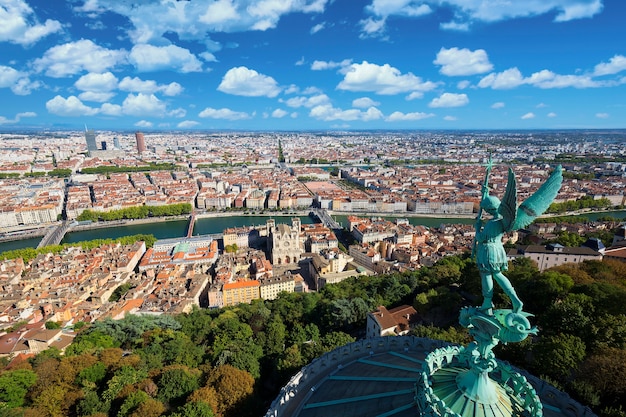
{"x": 506, "y": 216}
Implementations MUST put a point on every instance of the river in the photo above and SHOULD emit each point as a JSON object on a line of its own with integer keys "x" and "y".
{"x": 178, "y": 228}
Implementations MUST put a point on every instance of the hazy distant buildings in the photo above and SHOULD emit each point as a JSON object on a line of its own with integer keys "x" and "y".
{"x": 90, "y": 138}
{"x": 141, "y": 142}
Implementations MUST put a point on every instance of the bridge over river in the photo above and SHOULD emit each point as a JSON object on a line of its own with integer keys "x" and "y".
{"x": 326, "y": 219}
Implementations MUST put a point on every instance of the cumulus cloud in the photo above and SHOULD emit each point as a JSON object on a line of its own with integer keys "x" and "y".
{"x": 171, "y": 57}
{"x": 18, "y": 117}
{"x": 223, "y": 113}
{"x": 449, "y": 118}
{"x": 279, "y": 113}
{"x": 462, "y": 85}
{"x": 497, "y": 105}
{"x": 449, "y": 100}
{"x": 455, "y": 61}
{"x": 329, "y": 113}
{"x": 242, "y": 81}
{"x": 399, "y": 116}
{"x": 364, "y": 102}
{"x": 71, "y": 106}
{"x": 17, "y": 81}
{"x": 193, "y": 20}
{"x": 551, "y": 114}
{"x": 137, "y": 85}
{"x": 325, "y": 65}
{"x": 465, "y": 12}
{"x": 20, "y": 25}
{"x": 602, "y": 115}
{"x": 504, "y": 80}
{"x": 111, "y": 109}
{"x": 545, "y": 79}
{"x": 144, "y": 123}
{"x": 187, "y": 124}
{"x": 96, "y": 82}
{"x": 99, "y": 97}
{"x": 527, "y": 116}
{"x": 75, "y": 57}
{"x": 309, "y": 102}
{"x": 382, "y": 79}
{"x": 615, "y": 65}
{"x": 143, "y": 105}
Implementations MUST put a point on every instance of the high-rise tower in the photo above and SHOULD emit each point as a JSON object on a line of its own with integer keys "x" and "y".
{"x": 90, "y": 138}
{"x": 141, "y": 143}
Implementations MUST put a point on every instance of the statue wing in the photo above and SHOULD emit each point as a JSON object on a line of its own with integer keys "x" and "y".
{"x": 508, "y": 205}
{"x": 535, "y": 205}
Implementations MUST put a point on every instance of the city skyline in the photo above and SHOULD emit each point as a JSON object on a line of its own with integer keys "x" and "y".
{"x": 312, "y": 64}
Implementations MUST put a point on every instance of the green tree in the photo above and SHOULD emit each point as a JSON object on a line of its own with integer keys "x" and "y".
{"x": 13, "y": 387}
{"x": 558, "y": 356}
{"x": 176, "y": 382}
{"x": 194, "y": 409}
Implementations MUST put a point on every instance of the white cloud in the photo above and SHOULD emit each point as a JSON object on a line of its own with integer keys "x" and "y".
{"x": 544, "y": 79}
{"x": 75, "y": 57}
{"x": 187, "y": 124}
{"x": 111, "y": 109}
{"x": 300, "y": 101}
{"x": 143, "y": 105}
{"x": 144, "y": 124}
{"x": 399, "y": 116}
{"x": 318, "y": 27}
{"x": 372, "y": 27}
{"x": 300, "y": 62}
{"x": 178, "y": 113}
{"x": 329, "y": 113}
{"x": 293, "y": 115}
{"x": 242, "y": 81}
{"x": 455, "y": 61}
{"x": 137, "y": 85}
{"x": 456, "y": 26}
{"x": 9, "y": 76}
{"x": 497, "y": 105}
{"x": 99, "y": 97}
{"x": 223, "y": 113}
{"x": 17, "y": 118}
{"x": 364, "y": 102}
{"x": 171, "y": 57}
{"x": 449, "y": 100}
{"x": 96, "y": 82}
{"x": 71, "y": 106}
{"x": 385, "y": 8}
{"x": 449, "y": 118}
{"x": 488, "y": 11}
{"x": 193, "y": 20}
{"x": 20, "y": 25}
{"x": 279, "y": 113}
{"x": 551, "y": 114}
{"x": 602, "y": 115}
{"x": 541, "y": 105}
{"x": 462, "y": 85}
{"x": 527, "y": 116}
{"x": 615, "y": 65}
{"x": 324, "y": 65}
{"x": 382, "y": 79}
{"x": 24, "y": 86}
{"x": 504, "y": 80}
{"x": 414, "y": 95}
{"x": 548, "y": 79}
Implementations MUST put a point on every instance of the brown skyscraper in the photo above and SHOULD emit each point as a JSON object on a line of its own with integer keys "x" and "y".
{"x": 141, "y": 143}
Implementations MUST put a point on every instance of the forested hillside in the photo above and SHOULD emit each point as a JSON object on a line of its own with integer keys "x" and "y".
{"x": 233, "y": 361}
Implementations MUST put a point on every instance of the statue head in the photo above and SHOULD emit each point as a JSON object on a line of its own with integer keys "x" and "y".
{"x": 490, "y": 203}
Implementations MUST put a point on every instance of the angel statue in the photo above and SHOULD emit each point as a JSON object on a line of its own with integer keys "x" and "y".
{"x": 505, "y": 217}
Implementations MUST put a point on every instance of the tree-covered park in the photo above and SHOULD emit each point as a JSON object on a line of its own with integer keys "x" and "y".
{"x": 232, "y": 361}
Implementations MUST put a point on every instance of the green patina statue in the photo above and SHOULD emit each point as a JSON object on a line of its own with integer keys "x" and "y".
{"x": 505, "y": 217}
{"x": 469, "y": 381}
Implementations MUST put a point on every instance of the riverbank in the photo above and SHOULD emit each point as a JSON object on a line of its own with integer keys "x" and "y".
{"x": 126, "y": 222}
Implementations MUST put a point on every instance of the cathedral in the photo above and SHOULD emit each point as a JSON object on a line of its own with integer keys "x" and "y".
{"x": 284, "y": 243}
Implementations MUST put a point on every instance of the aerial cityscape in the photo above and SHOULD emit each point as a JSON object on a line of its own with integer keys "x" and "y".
{"x": 312, "y": 207}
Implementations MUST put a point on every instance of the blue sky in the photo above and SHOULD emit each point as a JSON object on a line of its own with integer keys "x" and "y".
{"x": 313, "y": 64}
